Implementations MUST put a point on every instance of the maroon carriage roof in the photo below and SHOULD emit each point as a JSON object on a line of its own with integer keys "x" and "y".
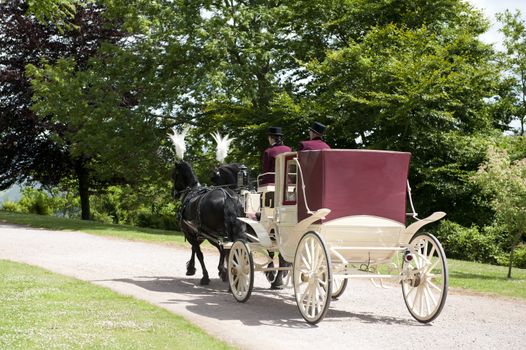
{"x": 354, "y": 182}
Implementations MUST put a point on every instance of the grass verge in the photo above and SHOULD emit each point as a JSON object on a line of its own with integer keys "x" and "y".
{"x": 96, "y": 228}
{"x": 43, "y": 310}
{"x": 487, "y": 278}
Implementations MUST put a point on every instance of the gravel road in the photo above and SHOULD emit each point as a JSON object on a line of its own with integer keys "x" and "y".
{"x": 365, "y": 317}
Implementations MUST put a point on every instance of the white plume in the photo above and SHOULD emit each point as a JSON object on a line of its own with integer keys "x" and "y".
{"x": 178, "y": 141}
{"x": 223, "y": 144}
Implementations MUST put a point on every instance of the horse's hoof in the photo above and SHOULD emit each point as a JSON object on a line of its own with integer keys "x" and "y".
{"x": 224, "y": 275}
{"x": 275, "y": 286}
{"x": 204, "y": 281}
{"x": 271, "y": 275}
{"x": 278, "y": 283}
{"x": 190, "y": 271}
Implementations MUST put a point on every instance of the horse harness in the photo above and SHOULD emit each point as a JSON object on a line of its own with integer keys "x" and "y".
{"x": 196, "y": 195}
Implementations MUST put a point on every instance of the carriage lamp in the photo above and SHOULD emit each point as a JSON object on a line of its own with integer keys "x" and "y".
{"x": 408, "y": 257}
{"x": 242, "y": 177}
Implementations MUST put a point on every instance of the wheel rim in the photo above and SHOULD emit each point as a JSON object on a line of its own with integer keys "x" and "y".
{"x": 241, "y": 271}
{"x": 312, "y": 280}
{"x": 339, "y": 284}
{"x": 425, "y": 288}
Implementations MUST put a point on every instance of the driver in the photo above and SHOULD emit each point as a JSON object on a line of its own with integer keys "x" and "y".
{"x": 275, "y": 139}
{"x": 315, "y": 141}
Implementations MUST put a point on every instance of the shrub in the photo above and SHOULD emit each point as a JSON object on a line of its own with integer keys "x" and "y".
{"x": 160, "y": 221}
{"x": 519, "y": 257}
{"x": 101, "y": 217}
{"x": 12, "y": 207}
{"x": 468, "y": 243}
{"x": 36, "y": 202}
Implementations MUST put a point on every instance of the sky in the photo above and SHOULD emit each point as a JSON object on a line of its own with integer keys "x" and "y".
{"x": 492, "y": 7}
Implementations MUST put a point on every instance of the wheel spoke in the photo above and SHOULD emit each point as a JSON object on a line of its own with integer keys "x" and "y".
{"x": 431, "y": 296}
{"x": 430, "y": 255}
{"x": 432, "y": 267}
{"x": 305, "y": 262}
{"x": 412, "y": 290}
{"x": 236, "y": 256}
{"x": 417, "y": 296}
{"x": 431, "y": 284}
{"x": 308, "y": 250}
{"x": 426, "y": 300}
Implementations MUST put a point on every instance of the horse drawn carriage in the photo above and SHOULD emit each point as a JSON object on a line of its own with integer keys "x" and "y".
{"x": 336, "y": 215}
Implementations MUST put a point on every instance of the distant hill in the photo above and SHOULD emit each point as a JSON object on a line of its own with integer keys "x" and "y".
{"x": 11, "y": 194}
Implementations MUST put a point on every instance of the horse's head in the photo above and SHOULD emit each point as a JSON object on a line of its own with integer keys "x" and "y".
{"x": 225, "y": 175}
{"x": 183, "y": 178}
{"x": 216, "y": 178}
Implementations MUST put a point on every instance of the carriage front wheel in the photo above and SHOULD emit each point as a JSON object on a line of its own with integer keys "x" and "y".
{"x": 425, "y": 281}
{"x": 312, "y": 277}
{"x": 240, "y": 271}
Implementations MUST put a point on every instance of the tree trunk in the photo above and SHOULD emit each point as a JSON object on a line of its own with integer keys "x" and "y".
{"x": 511, "y": 260}
{"x": 82, "y": 175}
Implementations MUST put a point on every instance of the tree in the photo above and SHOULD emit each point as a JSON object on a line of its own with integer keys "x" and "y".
{"x": 30, "y": 145}
{"x": 420, "y": 90}
{"x": 505, "y": 181}
{"x": 514, "y": 61}
{"x": 26, "y": 150}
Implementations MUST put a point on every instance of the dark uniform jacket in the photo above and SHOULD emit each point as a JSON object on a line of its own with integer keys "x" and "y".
{"x": 269, "y": 161}
{"x": 313, "y": 144}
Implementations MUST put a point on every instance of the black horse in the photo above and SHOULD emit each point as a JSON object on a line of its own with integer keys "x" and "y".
{"x": 206, "y": 213}
{"x": 226, "y": 175}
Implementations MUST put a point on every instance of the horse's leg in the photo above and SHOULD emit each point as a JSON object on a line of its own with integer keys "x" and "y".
{"x": 190, "y": 264}
{"x": 278, "y": 282}
{"x": 271, "y": 275}
{"x": 221, "y": 266}
{"x": 205, "y": 280}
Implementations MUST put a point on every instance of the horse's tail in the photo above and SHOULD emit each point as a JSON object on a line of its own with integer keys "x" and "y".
{"x": 232, "y": 210}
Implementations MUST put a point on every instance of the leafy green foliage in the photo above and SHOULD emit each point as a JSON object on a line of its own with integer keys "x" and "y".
{"x": 11, "y": 206}
{"x": 58, "y": 12}
{"x": 514, "y": 61}
{"x": 519, "y": 258}
{"x": 469, "y": 244}
{"x": 505, "y": 182}
{"x": 415, "y": 90}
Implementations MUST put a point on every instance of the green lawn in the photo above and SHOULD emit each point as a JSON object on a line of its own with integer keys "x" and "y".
{"x": 42, "y": 310}
{"x": 96, "y": 228}
{"x": 467, "y": 275}
{"x": 487, "y": 278}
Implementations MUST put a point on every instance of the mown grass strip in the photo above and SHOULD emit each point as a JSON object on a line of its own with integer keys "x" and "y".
{"x": 487, "y": 278}
{"x": 43, "y": 310}
{"x": 118, "y": 231}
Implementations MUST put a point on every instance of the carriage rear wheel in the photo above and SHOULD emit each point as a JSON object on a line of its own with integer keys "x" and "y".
{"x": 240, "y": 271}
{"x": 426, "y": 283}
{"x": 339, "y": 285}
{"x": 312, "y": 277}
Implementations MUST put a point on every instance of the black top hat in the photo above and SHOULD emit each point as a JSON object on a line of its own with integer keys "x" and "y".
{"x": 274, "y": 130}
{"x": 318, "y": 128}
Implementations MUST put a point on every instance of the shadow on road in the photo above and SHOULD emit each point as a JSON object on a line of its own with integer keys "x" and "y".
{"x": 265, "y": 306}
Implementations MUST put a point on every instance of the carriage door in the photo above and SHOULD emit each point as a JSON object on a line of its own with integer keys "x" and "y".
{"x": 288, "y": 211}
